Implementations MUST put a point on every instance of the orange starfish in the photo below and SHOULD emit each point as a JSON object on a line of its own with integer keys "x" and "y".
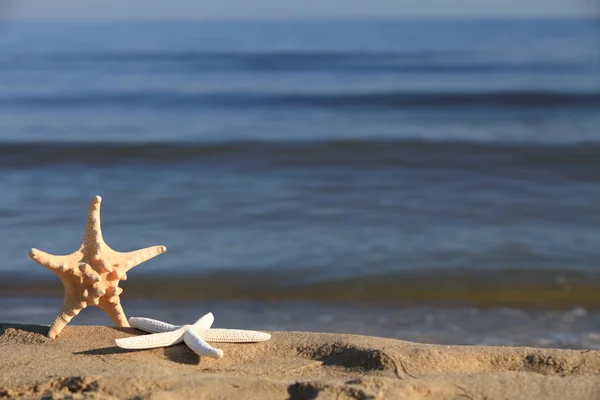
{"x": 91, "y": 274}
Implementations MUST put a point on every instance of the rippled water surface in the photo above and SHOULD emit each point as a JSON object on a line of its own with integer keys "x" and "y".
{"x": 311, "y": 170}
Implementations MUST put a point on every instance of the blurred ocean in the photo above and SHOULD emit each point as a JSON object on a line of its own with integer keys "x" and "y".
{"x": 426, "y": 180}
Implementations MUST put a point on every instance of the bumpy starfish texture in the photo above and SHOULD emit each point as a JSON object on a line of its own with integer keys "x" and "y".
{"x": 195, "y": 336}
{"x": 91, "y": 274}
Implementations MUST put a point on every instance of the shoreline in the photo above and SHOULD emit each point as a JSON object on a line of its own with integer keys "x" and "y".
{"x": 83, "y": 362}
{"x": 573, "y": 329}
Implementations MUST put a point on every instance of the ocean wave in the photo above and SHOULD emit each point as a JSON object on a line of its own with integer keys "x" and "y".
{"x": 541, "y": 289}
{"x": 579, "y": 161}
{"x": 343, "y": 101}
{"x": 421, "y": 62}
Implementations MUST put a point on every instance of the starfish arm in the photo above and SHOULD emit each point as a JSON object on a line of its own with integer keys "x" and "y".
{"x": 199, "y": 345}
{"x": 51, "y": 262}
{"x": 115, "y": 312}
{"x": 152, "y": 341}
{"x": 93, "y": 229}
{"x": 232, "y": 335}
{"x": 67, "y": 311}
{"x": 151, "y": 325}
{"x": 205, "y": 322}
{"x": 137, "y": 257}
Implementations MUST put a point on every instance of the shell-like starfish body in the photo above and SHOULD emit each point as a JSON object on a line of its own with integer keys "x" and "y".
{"x": 91, "y": 274}
{"x": 195, "y": 336}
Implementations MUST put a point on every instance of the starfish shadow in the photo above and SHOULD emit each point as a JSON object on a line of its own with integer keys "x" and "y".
{"x": 134, "y": 331}
{"x": 181, "y": 354}
{"x": 104, "y": 351}
{"x": 112, "y": 349}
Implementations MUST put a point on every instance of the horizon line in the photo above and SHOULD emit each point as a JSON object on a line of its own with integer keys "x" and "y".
{"x": 319, "y": 18}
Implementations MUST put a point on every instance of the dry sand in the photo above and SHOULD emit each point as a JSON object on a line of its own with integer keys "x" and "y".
{"x": 84, "y": 363}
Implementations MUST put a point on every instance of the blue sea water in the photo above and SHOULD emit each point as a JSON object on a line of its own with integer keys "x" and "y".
{"x": 392, "y": 164}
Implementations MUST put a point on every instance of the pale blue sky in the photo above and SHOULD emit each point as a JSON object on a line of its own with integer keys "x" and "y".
{"x": 201, "y": 9}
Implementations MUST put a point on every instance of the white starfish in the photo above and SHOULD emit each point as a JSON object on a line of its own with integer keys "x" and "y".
{"x": 195, "y": 336}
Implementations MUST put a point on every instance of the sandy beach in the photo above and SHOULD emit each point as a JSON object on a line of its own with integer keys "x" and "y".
{"x": 83, "y": 362}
